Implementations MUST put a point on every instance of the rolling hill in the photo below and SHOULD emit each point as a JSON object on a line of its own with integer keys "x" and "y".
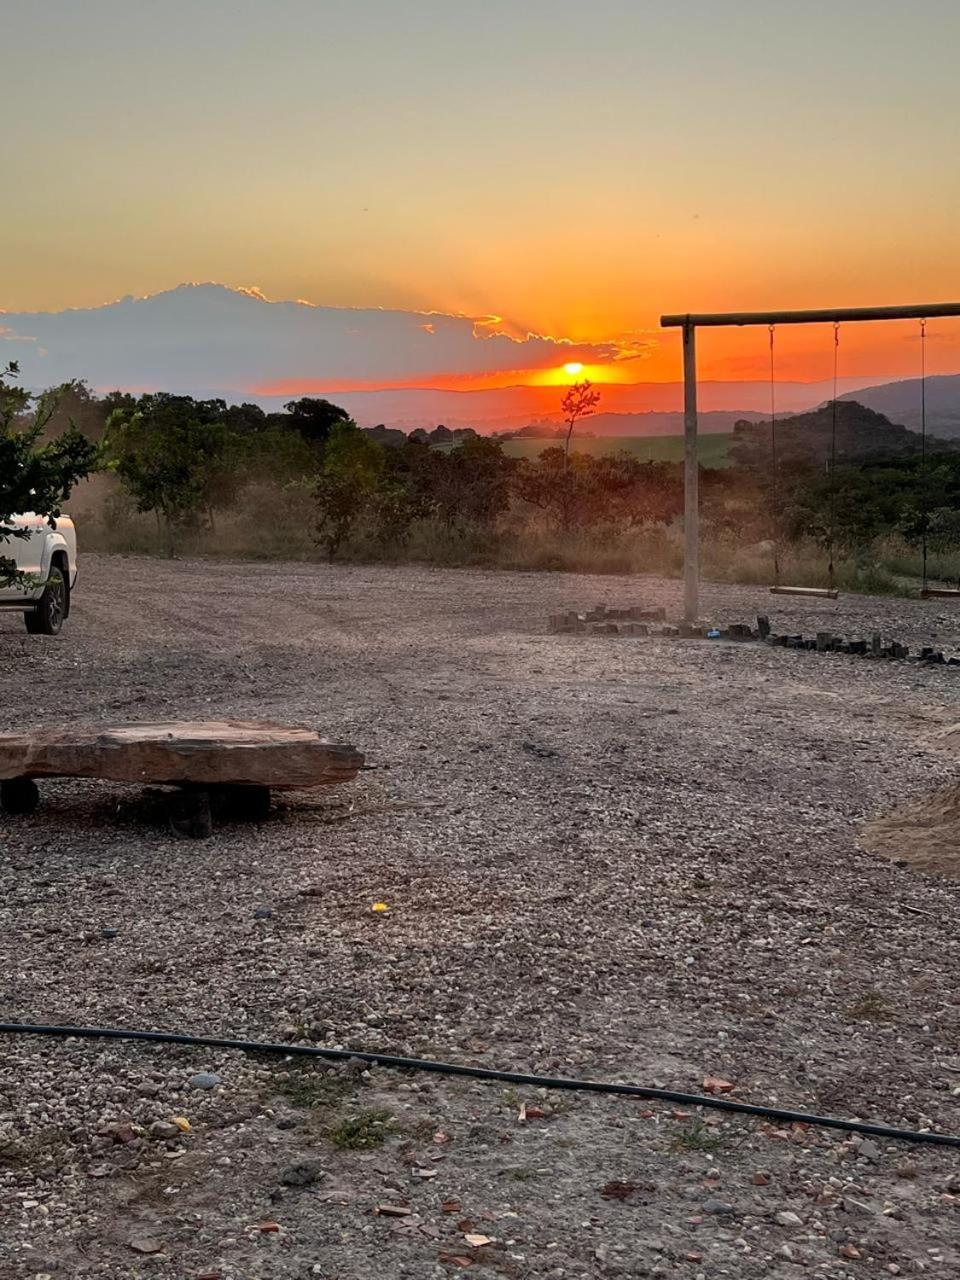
{"x": 900, "y": 402}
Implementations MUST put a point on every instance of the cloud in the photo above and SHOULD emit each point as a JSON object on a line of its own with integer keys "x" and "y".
{"x": 210, "y": 336}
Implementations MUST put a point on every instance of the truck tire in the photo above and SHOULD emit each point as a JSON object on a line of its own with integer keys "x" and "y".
{"x": 19, "y": 795}
{"x": 47, "y": 618}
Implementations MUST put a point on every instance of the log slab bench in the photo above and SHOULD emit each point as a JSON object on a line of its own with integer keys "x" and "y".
{"x": 223, "y": 767}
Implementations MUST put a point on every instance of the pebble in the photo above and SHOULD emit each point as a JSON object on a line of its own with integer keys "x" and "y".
{"x": 109, "y": 933}
{"x": 204, "y": 1080}
{"x": 303, "y": 1173}
{"x": 146, "y": 1244}
{"x": 263, "y": 913}
{"x": 718, "y": 1207}
{"x": 163, "y": 1130}
{"x": 787, "y": 1218}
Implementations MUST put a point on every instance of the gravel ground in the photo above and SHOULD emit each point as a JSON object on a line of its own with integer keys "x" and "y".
{"x": 623, "y": 859}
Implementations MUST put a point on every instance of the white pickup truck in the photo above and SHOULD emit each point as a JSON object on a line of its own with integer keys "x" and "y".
{"x": 46, "y": 559}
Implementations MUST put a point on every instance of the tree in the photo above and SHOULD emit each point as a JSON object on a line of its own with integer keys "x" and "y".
{"x": 314, "y": 419}
{"x": 349, "y": 484}
{"x": 78, "y": 406}
{"x": 33, "y": 476}
{"x": 470, "y": 484}
{"x": 579, "y": 401}
{"x": 558, "y": 485}
{"x": 173, "y": 454}
{"x": 613, "y": 489}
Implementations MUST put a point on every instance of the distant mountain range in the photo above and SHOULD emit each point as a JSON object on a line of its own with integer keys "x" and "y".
{"x": 629, "y": 409}
{"x": 210, "y": 340}
{"x": 900, "y": 402}
{"x": 652, "y": 423}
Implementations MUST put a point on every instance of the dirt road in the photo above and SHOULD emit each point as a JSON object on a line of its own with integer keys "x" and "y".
{"x": 625, "y": 859}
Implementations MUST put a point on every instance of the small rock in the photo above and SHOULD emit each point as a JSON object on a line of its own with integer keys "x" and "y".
{"x": 787, "y": 1218}
{"x": 123, "y": 1133}
{"x": 869, "y": 1150}
{"x": 109, "y": 933}
{"x": 164, "y": 1130}
{"x": 718, "y": 1207}
{"x": 716, "y": 1084}
{"x": 286, "y": 1122}
{"x": 857, "y": 1206}
{"x": 849, "y": 1251}
{"x": 907, "y": 1169}
{"x": 302, "y": 1174}
{"x": 263, "y": 913}
{"x": 204, "y": 1080}
{"x": 760, "y": 1179}
{"x": 146, "y": 1244}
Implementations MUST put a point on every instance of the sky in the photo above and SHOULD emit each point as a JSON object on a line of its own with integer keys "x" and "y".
{"x": 571, "y": 170}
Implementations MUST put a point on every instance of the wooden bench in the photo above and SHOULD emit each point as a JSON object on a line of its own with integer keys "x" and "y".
{"x": 219, "y": 766}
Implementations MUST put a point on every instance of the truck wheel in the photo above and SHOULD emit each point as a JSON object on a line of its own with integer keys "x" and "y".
{"x": 19, "y": 795}
{"x": 47, "y": 618}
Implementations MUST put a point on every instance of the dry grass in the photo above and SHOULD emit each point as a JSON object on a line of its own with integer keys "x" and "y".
{"x": 254, "y": 530}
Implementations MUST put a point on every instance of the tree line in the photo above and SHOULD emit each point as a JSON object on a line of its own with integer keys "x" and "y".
{"x": 841, "y": 476}
{"x": 184, "y": 460}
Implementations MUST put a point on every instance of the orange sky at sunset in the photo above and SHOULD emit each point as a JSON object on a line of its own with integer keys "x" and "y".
{"x": 576, "y": 174}
{"x": 875, "y": 351}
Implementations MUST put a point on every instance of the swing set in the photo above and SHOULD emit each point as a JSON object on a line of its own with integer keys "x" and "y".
{"x": 771, "y": 319}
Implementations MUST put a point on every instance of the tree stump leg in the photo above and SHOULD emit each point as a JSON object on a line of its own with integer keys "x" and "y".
{"x": 190, "y": 813}
{"x": 19, "y": 795}
{"x": 240, "y": 803}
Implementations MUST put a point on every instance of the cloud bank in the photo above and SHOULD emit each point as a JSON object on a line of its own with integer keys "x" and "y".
{"x": 210, "y": 336}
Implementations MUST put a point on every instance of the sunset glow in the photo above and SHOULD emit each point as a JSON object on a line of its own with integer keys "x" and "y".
{"x": 726, "y": 203}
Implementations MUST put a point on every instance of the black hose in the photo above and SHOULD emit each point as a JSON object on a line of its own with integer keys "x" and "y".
{"x": 488, "y": 1073}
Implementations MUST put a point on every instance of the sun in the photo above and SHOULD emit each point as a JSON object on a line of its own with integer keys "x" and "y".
{"x": 573, "y": 368}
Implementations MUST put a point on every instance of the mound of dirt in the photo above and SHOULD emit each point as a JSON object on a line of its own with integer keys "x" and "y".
{"x": 924, "y": 834}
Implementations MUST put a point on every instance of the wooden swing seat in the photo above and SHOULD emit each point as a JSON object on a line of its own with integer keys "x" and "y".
{"x": 940, "y": 593}
{"x": 822, "y": 593}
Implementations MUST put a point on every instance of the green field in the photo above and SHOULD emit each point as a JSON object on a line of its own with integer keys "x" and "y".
{"x": 713, "y": 448}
